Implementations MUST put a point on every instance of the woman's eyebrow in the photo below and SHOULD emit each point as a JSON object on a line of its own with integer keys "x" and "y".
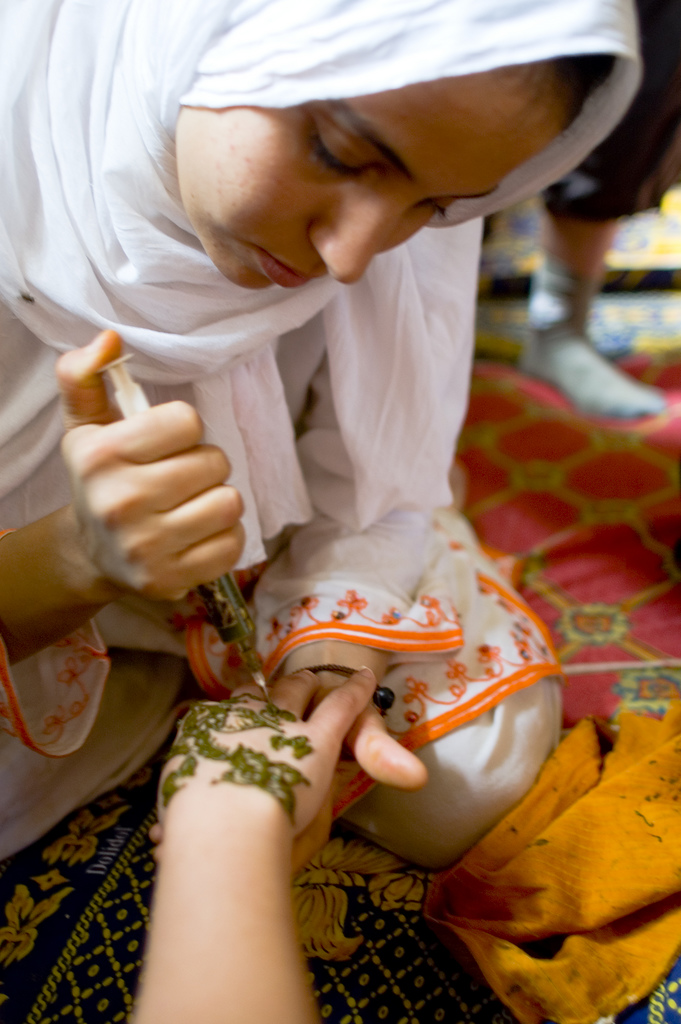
{"x": 350, "y": 119}
{"x": 357, "y": 124}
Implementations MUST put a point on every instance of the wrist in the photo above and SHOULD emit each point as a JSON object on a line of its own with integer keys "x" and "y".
{"x": 227, "y": 830}
{"x": 80, "y": 576}
{"x": 47, "y": 586}
{"x": 238, "y": 821}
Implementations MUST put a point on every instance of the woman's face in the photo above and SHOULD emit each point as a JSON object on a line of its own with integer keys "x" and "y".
{"x": 282, "y": 196}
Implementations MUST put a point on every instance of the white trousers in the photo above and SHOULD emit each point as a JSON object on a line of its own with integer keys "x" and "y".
{"x": 477, "y": 773}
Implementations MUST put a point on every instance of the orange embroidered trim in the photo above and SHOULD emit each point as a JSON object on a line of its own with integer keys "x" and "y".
{"x": 382, "y": 640}
{"x": 440, "y": 726}
{"x": 198, "y": 662}
{"x": 427, "y": 732}
{"x": 357, "y": 786}
{"x": 11, "y": 710}
{"x": 14, "y": 715}
{"x": 517, "y": 602}
{"x": 433, "y": 729}
{"x": 389, "y": 632}
{"x": 510, "y": 566}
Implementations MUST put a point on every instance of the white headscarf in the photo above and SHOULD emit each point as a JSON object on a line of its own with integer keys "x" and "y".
{"x": 93, "y": 233}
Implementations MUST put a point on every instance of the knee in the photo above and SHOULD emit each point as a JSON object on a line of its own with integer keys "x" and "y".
{"x": 476, "y": 774}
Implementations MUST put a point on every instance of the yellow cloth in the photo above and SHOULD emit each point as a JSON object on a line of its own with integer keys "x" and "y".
{"x": 592, "y": 853}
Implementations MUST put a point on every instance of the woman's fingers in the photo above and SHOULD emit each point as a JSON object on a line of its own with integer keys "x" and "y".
{"x": 144, "y": 438}
{"x": 347, "y": 713}
{"x": 155, "y": 512}
{"x": 127, "y": 495}
{"x": 182, "y": 477}
{"x": 211, "y": 514}
{"x": 342, "y": 707}
{"x": 206, "y": 561}
{"x": 382, "y": 757}
{"x": 295, "y": 691}
{"x": 83, "y": 392}
{"x": 168, "y": 577}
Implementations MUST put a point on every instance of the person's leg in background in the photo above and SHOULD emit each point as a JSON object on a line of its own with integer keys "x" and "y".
{"x": 627, "y": 173}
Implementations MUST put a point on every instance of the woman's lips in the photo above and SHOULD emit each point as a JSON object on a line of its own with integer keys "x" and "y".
{"x": 278, "y": 272}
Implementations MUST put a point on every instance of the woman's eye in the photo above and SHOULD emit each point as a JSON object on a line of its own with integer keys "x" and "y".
{"x": 440, "y": 210}
{"x": 328, "y": 159}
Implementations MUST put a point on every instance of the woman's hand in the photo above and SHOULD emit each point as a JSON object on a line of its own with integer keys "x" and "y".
{"x": 153, "y": 511}
{"x": 374, "y": 749}
{"x": 246, "y": 778}
{"x": 275, "y": 747}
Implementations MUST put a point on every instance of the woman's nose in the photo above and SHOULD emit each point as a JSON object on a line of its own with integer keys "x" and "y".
{"x": 352, "y": 231}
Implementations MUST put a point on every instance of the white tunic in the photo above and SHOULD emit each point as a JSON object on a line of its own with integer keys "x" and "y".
{"x": 462, "y": 642}
{"x": 93, "y": 235}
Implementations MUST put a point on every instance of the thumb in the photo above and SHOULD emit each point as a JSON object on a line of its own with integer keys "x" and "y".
{"x": 83, "y": 391}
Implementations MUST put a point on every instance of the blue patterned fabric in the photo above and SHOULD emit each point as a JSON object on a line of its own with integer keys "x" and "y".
{"x": 75, "y": 910}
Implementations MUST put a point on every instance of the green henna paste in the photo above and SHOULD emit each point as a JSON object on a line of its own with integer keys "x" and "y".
{"x": 300, "y": 745}
{"x": 251, "y": 768}
{"x": 170, "y": 786}
{"x": 248, "y": 767}
{"x": 232, "y": 715}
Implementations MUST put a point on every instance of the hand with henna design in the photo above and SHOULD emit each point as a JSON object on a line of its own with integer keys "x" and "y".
{"x": 245, "y": 781}
{"x": 275, "y": 747}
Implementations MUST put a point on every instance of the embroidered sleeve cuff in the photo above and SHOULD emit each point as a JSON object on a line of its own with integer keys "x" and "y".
{"x": 332, "y": 611}
{"x": 50, "y": 700}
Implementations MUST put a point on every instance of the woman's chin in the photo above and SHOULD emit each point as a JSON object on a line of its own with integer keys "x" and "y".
{"x": 245, "y": 277}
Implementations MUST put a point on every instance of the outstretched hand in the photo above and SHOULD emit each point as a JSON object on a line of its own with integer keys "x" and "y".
{"x": 273, "y": 746}
{"x": 154, "y": 513}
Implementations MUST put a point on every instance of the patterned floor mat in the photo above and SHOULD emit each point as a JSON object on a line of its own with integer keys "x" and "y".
{"x": 591, "y": 511}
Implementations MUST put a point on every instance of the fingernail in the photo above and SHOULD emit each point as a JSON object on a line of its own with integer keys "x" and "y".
{"x": 365, "y": 671}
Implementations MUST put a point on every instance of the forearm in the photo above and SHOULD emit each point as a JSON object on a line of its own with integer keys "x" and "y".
{"x": 223, "y": 948}
{"x": 47, "y": 586}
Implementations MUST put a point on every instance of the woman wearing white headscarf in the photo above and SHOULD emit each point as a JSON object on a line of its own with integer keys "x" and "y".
{"x": 336, "y": 386}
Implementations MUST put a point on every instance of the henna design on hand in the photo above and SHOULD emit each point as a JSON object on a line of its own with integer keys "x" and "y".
{"x": 300, "y": 745}
{"x": 248, "y": 767}
{"x": 251, "y": 768}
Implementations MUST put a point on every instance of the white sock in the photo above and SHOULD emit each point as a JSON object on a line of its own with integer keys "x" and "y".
{"x": 560, "y": 352}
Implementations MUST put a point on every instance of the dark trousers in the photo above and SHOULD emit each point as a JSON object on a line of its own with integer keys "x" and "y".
{"x": 632, "y": 169}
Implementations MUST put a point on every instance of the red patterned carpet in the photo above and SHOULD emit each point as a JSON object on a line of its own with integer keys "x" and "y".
{"x": 591, "y": 511}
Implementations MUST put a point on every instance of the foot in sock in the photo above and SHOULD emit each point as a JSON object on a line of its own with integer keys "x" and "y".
{"x": 560, "y": 353}
{"x": 590, "y": 382}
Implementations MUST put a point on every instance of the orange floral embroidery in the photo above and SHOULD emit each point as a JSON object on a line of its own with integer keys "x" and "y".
{"x": 417, "y": 690}
{"x": 354, "y": 604}
{"x": 71, "y": 675}
{"x": 495, "y": 664}
{"x": 391, "y": 617}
